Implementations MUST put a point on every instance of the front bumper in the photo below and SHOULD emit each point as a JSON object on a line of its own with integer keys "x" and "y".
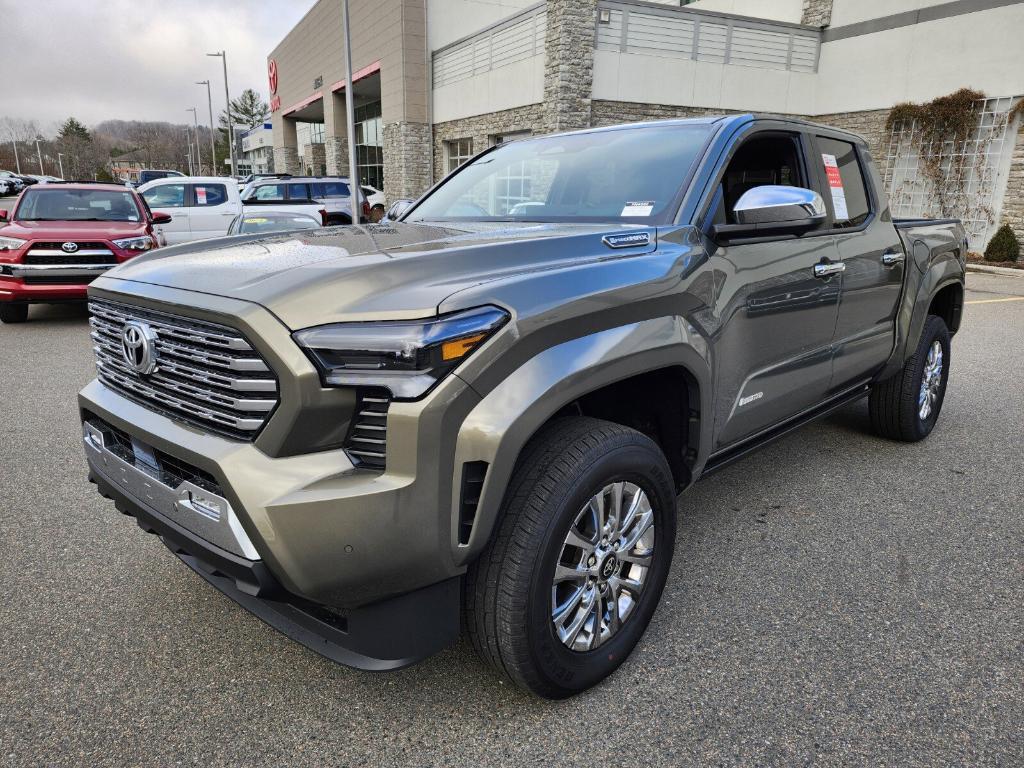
{"x": 16, "y": 290}
{"x": 375, "y": 637}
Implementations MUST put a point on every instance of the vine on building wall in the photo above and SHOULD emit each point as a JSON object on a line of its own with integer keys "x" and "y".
{"x": 940, "y": 129}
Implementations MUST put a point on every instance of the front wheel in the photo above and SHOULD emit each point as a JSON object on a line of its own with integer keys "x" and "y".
{"x": 13, "y": 313}
{"x": 571, "y": 578}
{"x": 906, "y": 406}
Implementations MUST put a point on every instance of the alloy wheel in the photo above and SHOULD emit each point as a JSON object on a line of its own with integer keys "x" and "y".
{"x": 930, "y": 382}
{"x": 603, "y": 566}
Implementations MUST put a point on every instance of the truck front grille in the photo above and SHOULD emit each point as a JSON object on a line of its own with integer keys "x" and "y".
{"x": 205, "y": 374}
{"x": 367, "y": 440}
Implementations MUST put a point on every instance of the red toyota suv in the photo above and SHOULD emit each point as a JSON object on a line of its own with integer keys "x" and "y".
{"x": 60, "y": 237}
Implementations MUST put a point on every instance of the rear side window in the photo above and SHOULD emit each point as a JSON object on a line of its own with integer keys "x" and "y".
{"x": 330, "y": 189}
{"x": 210, "y": 194}
{"x": 270, "y": 192}
{"x": 165, "y": 196}
{"x": 298, "y": 191}
{"x": 845, "y": 182}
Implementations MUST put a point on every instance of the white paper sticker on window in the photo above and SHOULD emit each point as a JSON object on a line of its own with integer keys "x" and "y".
{"x": 642, "y": 208}
{"x": 835, "y": 185}
{"x": 200, "y": 195}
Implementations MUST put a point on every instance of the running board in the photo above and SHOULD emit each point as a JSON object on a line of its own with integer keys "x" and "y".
{"x": 751, "y": 444}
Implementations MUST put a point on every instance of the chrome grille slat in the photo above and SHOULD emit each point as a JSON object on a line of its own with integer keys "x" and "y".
{"x": 178, "y": 332}
{"x": 206, "y": 374}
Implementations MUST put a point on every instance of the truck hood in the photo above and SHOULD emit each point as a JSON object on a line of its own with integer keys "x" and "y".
{"x": 375, "y": 272}
{"x": 72, "y": 230}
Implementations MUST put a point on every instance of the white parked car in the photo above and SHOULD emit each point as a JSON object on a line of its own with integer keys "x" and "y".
{"x": 378, "y": 203}
{"x": 202, "y": 207}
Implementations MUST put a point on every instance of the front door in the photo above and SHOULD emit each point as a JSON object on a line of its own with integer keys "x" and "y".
{"x": 874, "y": 262}
{"x": 170, "y": 199}
{"x": 211, "y": 211}
{"x": 773, "y": 344}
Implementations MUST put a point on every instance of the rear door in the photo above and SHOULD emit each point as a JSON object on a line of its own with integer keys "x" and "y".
{"x": 872, "y": 255}
{"x": 212, "y": 210}
{"x": 774, "y": 319}
{"x": 172, "y": 199}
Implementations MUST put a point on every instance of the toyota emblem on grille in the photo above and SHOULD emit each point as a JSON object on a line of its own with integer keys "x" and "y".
{"x": 69, "y": 247}
{"x": 138, "y": 346}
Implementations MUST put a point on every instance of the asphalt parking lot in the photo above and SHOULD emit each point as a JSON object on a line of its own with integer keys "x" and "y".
{"x": 835, "y": 600}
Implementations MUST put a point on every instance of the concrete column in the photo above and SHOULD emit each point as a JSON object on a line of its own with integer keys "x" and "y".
{"x": 406, "y": 159}
{"x": 286, "y": 147}
{"x": 335, "y": 134}
{"x": 569, "y": 64}
{"x": 817, "y": 13}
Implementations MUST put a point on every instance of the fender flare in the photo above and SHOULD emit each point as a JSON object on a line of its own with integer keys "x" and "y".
{"x": 500, "y": 425}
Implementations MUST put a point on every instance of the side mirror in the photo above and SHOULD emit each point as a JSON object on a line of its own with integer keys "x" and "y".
{"x": 773, "y": 210}
{"x": 3, "y": 214}
{"x": 161, "y": 218}
{"x": 396, "y": 210}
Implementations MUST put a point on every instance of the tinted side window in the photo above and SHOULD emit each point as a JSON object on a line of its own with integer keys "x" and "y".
{"x": 846, "y": 190}
{"x": 335, "y": 189}
{"x": 298, "y": 191}
{"x": 270, "y": 192}
{"x": 165, "y": 196}
{"x": 210, "y": 194}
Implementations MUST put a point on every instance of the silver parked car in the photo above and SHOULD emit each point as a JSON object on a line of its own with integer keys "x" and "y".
{"x": 333, "y": 192}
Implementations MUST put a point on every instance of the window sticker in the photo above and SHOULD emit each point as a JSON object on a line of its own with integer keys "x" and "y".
{"x": 642, "y": 208}
{"x": 835, "y": 185}
{"x": 201, "y": 194}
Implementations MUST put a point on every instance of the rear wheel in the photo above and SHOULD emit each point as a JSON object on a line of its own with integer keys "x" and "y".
{"x": 572, "y": 576}
{"x": 376, "y": 213}
{"x": 13, "y": 313}
{"x": 906, "y": 406}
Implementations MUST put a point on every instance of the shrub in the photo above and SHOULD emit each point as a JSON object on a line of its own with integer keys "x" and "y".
{"x": 1003, "y": 246}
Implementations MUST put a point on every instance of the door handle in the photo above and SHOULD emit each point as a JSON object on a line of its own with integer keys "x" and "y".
{"x": 892, "y": 258}
{"x": 829, "y": 268}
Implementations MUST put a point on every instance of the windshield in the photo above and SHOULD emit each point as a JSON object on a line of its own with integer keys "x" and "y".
{"x": 63, "y": 204}
{"x": 269, "y": 223}
{"x": 632, "y": 175}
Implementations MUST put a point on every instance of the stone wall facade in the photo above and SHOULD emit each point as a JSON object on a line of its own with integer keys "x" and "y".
{"x": 313, "y": 161}
{"x": 336, "y": 152}
{"x": 817, "y": 13}
{"x": 569, "y": 64}
{"x": 483, "y": 128}
{"x": 286, "y": 160}
{"x": 1013, "y": 201}
{"x": 406, "y": 160}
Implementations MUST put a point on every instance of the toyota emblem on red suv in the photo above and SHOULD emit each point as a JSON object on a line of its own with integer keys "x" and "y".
{"x": 69, "y": 247}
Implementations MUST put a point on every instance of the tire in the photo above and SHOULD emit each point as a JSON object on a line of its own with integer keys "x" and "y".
{"x": 376, "y": 213}
{"x": 509, "y": 590}
{"x": 896, "y": 405}
{"x": 13, "y": 313}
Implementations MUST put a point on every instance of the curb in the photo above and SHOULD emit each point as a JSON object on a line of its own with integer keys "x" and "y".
{"x": 995, "y": 270}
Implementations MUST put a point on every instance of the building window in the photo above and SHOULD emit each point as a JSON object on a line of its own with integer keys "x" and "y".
{"x": 370, "y": 144}
{"x": 457, "y": 152}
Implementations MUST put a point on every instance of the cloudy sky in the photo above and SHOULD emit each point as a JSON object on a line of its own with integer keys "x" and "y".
{"x": 133, "y": 59}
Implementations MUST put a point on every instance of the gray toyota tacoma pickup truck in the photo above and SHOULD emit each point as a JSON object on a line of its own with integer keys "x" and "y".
{"x": 481, "y": 415}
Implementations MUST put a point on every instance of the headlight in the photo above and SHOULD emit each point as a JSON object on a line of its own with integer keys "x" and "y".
{"x": 135, "y": 243}
{"x": 406, "y": 356}
{"x": 10, "y": 244}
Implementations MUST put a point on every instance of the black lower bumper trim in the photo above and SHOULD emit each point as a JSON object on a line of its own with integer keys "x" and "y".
{"x": 382, "y": 636}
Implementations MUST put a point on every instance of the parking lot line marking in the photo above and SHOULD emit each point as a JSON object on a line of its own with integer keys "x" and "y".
{"x": 994, "y": 301}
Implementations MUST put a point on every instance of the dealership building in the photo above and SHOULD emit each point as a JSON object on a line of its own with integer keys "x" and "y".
{"x": 436, "y": 81}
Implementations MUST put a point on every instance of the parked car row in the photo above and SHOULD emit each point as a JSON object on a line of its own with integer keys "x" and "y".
{"x": 13, "y": 183}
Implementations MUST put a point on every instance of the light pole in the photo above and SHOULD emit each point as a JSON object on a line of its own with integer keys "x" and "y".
{"x": 213, "y": 151}
{"x": 60, "y": 162}
{"x": 353, "y": 168}
{"x": 39, "y": 154}
{"x": 231, "y": 123}
{"x": 199, "y": 155}
{"x": 188, "y": 143}
{"x": 17, "y": 162}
